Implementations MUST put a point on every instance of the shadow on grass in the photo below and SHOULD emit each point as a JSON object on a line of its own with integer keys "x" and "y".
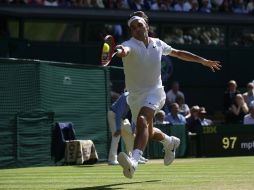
{"x": 111, "y": 186}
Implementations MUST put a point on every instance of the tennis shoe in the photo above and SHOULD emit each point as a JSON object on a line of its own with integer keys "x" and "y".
{"x": 128, "y": 165}
{"x": 143, "y": 159}
{"x": 113, "y": 162}
{"x": 170, "y": 150}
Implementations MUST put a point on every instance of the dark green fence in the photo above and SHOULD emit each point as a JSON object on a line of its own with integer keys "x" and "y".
{"x": 72, "y": 92}
{"x": 33, "y": 137}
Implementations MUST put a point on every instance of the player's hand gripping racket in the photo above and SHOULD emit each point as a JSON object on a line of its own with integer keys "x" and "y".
{"x": 108, "y": 50}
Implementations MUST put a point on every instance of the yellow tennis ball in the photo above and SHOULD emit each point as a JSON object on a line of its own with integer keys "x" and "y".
{"x": 106, "y": 48}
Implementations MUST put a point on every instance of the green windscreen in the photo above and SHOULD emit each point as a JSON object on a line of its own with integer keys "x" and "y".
{"x": 33, "y": 138}
{"x": 19, "y": 86}
{"x": 72, "y": 92}
{"x": 7, "y": 140}
{"x": 80, "y": 96}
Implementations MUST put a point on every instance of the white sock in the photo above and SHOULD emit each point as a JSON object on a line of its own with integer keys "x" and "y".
{"x": 166, "y": 141}
{"x": 136, "y": 154}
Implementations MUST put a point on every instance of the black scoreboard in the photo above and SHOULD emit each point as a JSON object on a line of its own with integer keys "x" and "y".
{"x": 226, "y": 140}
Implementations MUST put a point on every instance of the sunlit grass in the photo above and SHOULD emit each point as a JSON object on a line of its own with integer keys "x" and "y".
{"x": 232, "y": 173}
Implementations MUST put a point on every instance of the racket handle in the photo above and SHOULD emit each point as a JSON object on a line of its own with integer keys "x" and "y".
{"x": 118, "y": 50}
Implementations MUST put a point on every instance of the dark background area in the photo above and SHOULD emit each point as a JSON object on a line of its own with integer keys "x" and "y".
{"x": 84, "y": 29}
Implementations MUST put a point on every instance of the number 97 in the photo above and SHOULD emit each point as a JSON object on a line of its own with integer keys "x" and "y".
{"x": 229, "y": 142}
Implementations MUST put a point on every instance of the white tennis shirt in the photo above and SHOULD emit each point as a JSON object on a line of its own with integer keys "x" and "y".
{"x": 142, "y": 66}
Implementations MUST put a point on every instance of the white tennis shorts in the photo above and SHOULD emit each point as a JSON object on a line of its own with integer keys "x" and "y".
{"x": 153, "y": 99}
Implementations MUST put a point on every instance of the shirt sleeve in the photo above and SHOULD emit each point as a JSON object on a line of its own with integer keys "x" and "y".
{"x": 166, "y": 49}
{"x": 127, "y": 44}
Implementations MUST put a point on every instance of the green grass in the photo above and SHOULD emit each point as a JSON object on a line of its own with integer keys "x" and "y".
{"x": 232, "y": 173}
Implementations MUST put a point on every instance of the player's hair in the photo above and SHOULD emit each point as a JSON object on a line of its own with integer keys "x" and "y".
{"x": 140, "y": 14}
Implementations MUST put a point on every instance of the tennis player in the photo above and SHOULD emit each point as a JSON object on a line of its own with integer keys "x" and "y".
{"x": 141, "y": 57}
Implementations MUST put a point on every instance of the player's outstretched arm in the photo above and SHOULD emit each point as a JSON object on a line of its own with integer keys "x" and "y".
{"x": 188, "y": 56}
{"x": 123, "y": 51}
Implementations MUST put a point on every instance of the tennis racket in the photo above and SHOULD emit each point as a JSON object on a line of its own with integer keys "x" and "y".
{"x": 108, "y": 50}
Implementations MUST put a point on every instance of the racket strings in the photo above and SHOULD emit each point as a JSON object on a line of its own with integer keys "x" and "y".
{"x": 107, "y": 56}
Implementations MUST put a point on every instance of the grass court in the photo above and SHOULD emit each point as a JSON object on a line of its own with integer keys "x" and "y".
{"x": 232, "y": 173}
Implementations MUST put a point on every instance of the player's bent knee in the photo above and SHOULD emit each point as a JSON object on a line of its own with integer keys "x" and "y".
{"x": 141, "y": 121}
